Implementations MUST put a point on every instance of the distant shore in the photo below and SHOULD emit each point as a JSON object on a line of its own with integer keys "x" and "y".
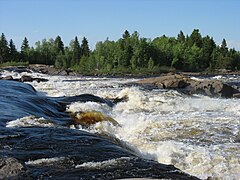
{"x": 51, "y": 70}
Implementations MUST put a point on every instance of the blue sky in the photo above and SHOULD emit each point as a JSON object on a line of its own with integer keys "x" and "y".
{"x": 99, "y": 19}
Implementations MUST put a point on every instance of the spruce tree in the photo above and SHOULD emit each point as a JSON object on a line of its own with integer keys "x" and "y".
{"x": 25, "y": 46}
{"x": 76, "y": 50}
{"x": 13, "y": 51}
{"x": 59, "y": 45}
{"x": 223, "y": 47}
{"x": 24, "y": 49}
{"x": 85, "y": 51}
{"x": 4, "y": 49}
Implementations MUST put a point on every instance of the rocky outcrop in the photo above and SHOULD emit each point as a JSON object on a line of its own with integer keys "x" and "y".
{"x": 10, "y": 168}
{"x": 212, "y": 88}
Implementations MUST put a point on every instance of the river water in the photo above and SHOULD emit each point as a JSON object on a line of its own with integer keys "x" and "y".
{"x": 197, "y": 134}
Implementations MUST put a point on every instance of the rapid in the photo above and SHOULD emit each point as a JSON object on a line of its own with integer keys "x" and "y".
{"x": 197, "y": 134}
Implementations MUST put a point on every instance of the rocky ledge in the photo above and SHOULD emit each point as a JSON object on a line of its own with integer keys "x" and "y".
{"x": 212, "y": 88}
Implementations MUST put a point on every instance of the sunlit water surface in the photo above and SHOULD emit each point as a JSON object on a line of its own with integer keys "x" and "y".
{"x": 197, "y": 134}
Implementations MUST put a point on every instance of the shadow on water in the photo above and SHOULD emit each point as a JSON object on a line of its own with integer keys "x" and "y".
{"x": 60, "y": 152}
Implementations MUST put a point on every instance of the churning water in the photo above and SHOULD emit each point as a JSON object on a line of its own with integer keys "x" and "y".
{"x": 197, "y": 134}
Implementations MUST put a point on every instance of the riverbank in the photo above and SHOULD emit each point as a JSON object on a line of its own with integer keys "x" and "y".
{"x": 51, "y": 70}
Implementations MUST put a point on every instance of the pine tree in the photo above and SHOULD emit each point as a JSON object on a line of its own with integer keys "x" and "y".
{"x": 223, "y": 47}
{"x": 76, "y": 51}
{"x": 25, "y": 49}
{"x": 25, "y": 45}
{"x": 4, "y": 49}
{"x": 59, "y": 45}
{"x": 12, "y": 51}
{"x": 85, "y": 51}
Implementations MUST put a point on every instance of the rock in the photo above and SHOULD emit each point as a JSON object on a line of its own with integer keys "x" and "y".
{"x": 26, "y": 78}
{"x": 63, "y": 153}
{"x": 212, "y": 88}
{"x": 92, "y": 117}
{"x": 7, "y": 78}
{"x": 10, "y": 168}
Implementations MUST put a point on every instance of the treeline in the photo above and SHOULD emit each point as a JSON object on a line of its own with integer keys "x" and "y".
{"x": 130, "y": 53}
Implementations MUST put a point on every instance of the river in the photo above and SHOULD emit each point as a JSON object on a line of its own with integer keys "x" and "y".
{"x": 197, "y": 134}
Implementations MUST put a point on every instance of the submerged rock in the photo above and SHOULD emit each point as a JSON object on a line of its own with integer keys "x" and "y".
{"x": 11, "y": 168}
{"x": 91, "y": 117}
{"x": 212, "y": 88}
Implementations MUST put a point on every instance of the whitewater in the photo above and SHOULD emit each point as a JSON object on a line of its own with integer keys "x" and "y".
{"x": 197, "y": 134}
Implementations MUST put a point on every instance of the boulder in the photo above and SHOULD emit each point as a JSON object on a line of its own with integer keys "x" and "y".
{"x": 10, "y": 168}
{"x": 212, "y": 88}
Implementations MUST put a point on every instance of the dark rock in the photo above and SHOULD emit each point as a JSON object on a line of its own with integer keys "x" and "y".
{"x": 35, "y": 146}
{"x": 213, "y": 88}
{"x": 25, "y": 78}
{"x": 10, "y": 168}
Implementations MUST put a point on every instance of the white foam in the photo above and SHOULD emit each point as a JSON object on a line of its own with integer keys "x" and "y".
{"x": 45, "y": 161}
{"x": 30, "y": 121}
{"x": 112, "y": 163}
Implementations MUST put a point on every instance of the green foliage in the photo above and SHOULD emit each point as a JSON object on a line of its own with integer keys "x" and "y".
{"x": 130, "y": 54}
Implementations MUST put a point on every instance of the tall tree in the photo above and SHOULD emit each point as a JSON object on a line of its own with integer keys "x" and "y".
{"x": 195, "y": 38}
{"x": 208, "y": 46}
{"x": 85, "y": 51}
{"x": 76, "y": 51}
{"x": 59, "y": 45}
{"x": 224, "y": 48}
{"x": 4, "y": 49}
{"x": 25, "y": 50}
{"x": 13, "y": 51}
{"x": 25, "y": 45}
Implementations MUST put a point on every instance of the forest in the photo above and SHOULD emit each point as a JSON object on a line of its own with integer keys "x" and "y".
{"x": 129, "y": 54}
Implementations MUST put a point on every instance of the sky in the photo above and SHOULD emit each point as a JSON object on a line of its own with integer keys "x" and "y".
{"x": 101, "y": 19}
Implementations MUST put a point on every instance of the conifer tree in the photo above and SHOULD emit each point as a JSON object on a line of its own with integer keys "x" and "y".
{"x": 195, "y": 38}
{"x": 76, "y": 51}
{"x": 25, "y": 46}
{"x": 12, "y": 51}
{"x": 126, "y": 34}
{"x": 223, "y": 47}
{"x": 4, "y": 49}
{"x": 85, "y": 51}
{"x": 25, "y": 49}
{"x": 181, "y": 37}
{"x": 59, "y": 45}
